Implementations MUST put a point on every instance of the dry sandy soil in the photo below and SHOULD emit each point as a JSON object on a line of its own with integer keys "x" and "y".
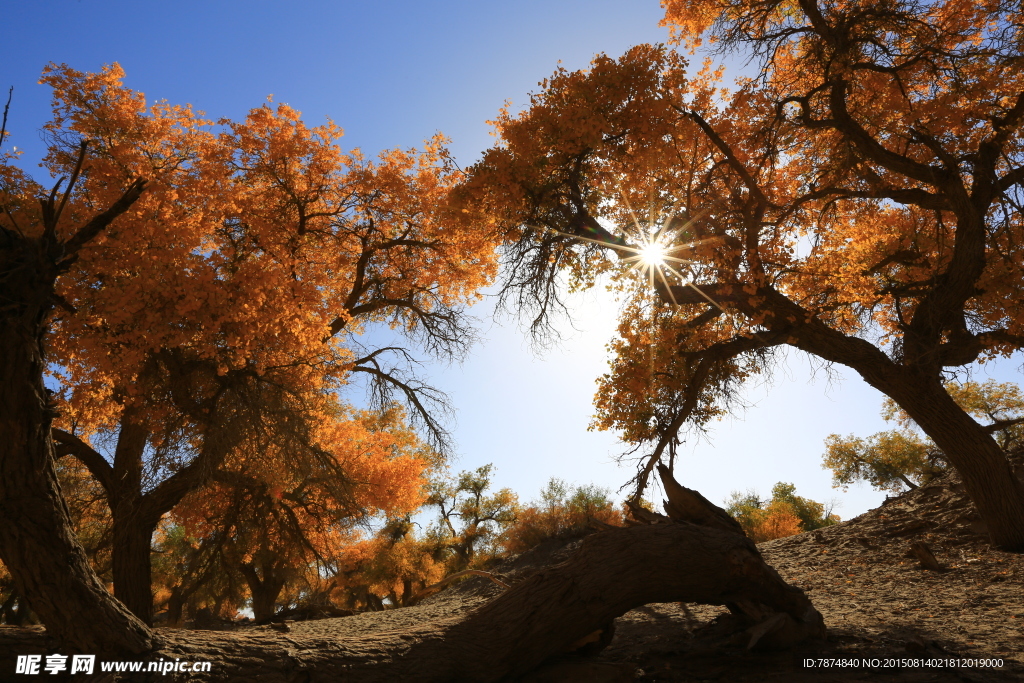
{"x": 877, "y": 601}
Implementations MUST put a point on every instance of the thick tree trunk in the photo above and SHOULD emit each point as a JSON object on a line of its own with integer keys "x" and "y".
{"x": 263, "y": 591}
{"x": 175, "y": 607}
{"x": 8, "y": 615}
{"x": 133, "y": 525}
{"x": 37, "y": 543}
{"x": 917, "y": 389}
{"x": 131, "y": 564}
{"x": 542, "y": 616}
{"x": 987, "y": 475}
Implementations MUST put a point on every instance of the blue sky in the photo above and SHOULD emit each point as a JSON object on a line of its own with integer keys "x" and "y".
{"x": 392, "y": 73}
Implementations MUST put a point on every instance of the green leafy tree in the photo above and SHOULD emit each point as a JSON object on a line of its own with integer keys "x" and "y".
{"x": 903, "y": 457}
{"x": 888, "y": 461}
{"x": 784, "y": 514}
{"x": 812, "y": 514}
{"x": 469, "y": 520}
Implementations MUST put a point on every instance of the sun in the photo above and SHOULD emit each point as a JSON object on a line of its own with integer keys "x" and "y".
{"x": 653, "y": 254}
{"x": 654, "y": 250}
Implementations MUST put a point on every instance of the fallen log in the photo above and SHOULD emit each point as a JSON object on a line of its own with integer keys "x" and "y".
{"x": 610, "y": 573}
{"x": 448, "y": 580}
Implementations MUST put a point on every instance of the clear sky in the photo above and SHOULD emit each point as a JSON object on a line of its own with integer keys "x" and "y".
{"x": 392, "y": 73}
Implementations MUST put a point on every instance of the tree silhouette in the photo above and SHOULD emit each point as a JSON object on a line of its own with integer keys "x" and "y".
{"x": 857, "y": 200}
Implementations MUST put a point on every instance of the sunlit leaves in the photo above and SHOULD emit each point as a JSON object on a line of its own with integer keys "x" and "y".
{"x": 251, "y": 240}
{"x": 864, "y": 187}
{"x": 784, "y": 514}
{"x": 214, "y": 321}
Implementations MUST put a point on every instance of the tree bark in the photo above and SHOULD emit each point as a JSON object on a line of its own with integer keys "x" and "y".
{"x": 131, "y": 565}
{"x": 542, "y": 616}
{"x": 133, "y": 523}
{"x": 37, "y": 542}
{"x": 969, "y": 447}
{"x": 263, "y": 591}
{"x": 135, "y": 513}
{"x": 917, "y": 389}
{"x": 175, "y": 607}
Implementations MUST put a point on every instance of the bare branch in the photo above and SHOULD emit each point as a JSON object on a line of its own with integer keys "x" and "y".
{"x": 417, "y": 395}
{"x": 7, "y": 107}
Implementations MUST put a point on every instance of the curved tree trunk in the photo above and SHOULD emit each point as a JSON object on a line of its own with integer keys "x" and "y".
{"x": 700, "y": 557}
{"x": 987, "y": 474}
{"x": 916, "y": 387}
{"x": 542, "y": 616}
{"x": 37, "y": 542}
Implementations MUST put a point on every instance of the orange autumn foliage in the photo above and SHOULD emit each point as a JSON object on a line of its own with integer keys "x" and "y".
{"x": 858, "y": 200}
{"x": 228, "y": 300}
{"x": 777, "y": 522}
{"x": 393, "y": 564}
{"x": 281, "y": 520}
{"x": 784, "y": 514}
{"x": 362, "y": 464}
{"x": 562, "y": 511}
{"x": 253, "y": 242}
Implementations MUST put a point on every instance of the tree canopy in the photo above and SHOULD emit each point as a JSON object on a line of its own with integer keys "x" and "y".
{"x": 898, "y": 458}
{"x": 857, "y": 200}
{"x": 206, "y": 332}
{"x": 196, "y": 290}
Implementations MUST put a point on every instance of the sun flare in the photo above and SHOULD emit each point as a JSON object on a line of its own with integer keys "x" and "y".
{"x": 653, "y": 254}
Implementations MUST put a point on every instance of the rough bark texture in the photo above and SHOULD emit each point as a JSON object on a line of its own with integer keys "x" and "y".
{"x": 544, "y": 615}
{"x": 37, "y": 543}
{"x": 914, "y": 383}
{"x": 263, "y": 589}
{"x": 131, "y": 565}
{"x": 136, "y": 513}
{"x": 986, "y": 472}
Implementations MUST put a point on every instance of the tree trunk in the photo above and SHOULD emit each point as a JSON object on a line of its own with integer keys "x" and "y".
{"x": 917, "y": 389}
{"x": 37, "y": 542}
{"x": 175, "y": 607}
{"x": 132, "y": 564}
{"x": 987, "y": 475}
{"x": 542, "y": 616}
{"x": 263, "y": 591}
{"x": 133, "y": 527}
{"x": 7, "y": 610}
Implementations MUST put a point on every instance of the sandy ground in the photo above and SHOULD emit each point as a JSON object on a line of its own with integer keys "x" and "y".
{"x": 888, "y": 618}
{"x": 877, "y": 601}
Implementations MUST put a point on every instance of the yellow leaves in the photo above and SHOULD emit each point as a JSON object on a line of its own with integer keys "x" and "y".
{"x": 688, "y": 21}
{"x": 251, "y": 240}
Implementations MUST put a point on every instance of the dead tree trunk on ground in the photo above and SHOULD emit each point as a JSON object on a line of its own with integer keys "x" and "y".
{"x": 544, "y": 615}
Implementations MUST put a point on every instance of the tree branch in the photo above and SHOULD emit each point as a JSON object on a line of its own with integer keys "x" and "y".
{"x": 94, "y": 227}
{"x": 69, "y": 444}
